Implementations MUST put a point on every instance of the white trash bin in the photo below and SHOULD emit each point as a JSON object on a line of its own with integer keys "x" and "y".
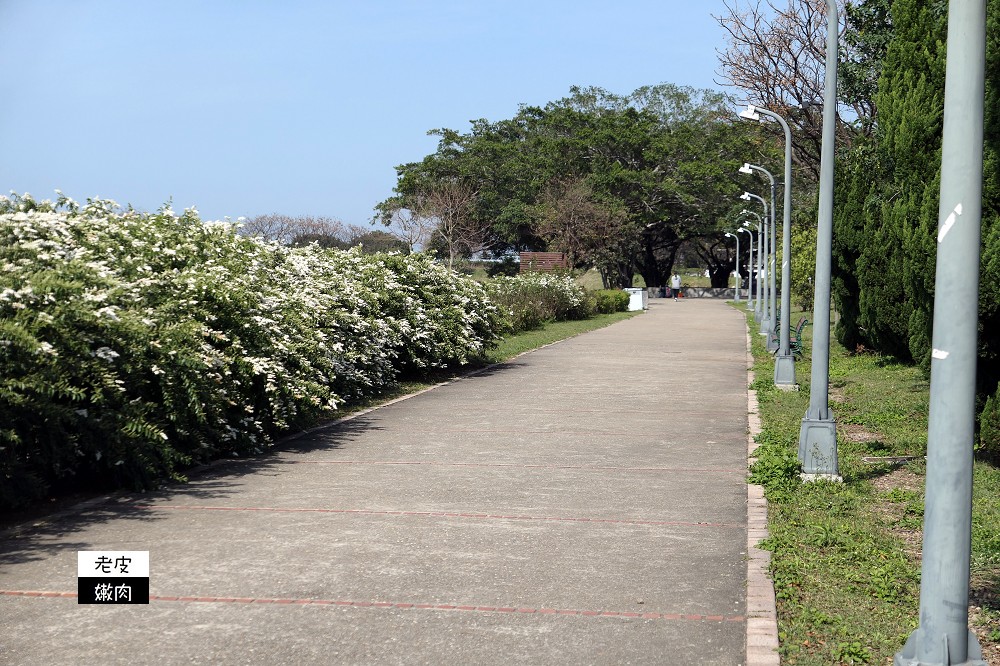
{"x": 638, "y": 299}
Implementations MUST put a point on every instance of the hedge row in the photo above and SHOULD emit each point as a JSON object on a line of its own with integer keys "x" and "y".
{"x": 136, "y": 344}
{"x": 528, "y": 300}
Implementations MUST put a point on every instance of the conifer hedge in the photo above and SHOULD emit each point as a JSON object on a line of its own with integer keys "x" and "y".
{"x": 887, "y": 206}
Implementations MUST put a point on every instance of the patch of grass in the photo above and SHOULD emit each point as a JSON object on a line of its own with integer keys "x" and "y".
{"x": 590, "y": 280}
{"x": 845, "y": 557}
{"x": 513, "y": 345}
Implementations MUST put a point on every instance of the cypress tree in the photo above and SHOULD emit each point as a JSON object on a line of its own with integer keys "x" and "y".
{"x": 988, "y": 372}
{"x": 895, "y": 268}
{"x": 852, "y": 192}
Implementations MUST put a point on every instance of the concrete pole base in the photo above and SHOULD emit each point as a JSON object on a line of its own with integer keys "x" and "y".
{"x": 812, "y": 478}
{"x": 784, "y": 370}
{"x": 772, "y": 342}
{"x": 937, "y": 653}
{"x": 818, "y": 446}
{"x": 763, "y": 326}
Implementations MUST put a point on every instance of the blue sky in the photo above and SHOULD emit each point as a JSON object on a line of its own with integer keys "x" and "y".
{"x": 242, "y": 107}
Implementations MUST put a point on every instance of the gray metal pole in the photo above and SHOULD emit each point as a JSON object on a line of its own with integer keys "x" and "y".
{"x": 761, "y": 249}
{"x": 737, "y": 237}
{"x": 784, "y": 363}
{"x": 784, "y": 367}
{"x": 772, "y": 344}
{"x": 818, "y": 434}
{"x": 943, "y": 636}
{"x": 759, "y": 307}
{"x": 749, "y": 269}
{"x": 767, "y": 321}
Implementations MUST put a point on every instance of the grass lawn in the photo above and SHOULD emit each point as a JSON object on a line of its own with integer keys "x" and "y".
{"x": 513, "y": 345}
{"x": 846, "y": 557}
{"x": 691, "y": 278}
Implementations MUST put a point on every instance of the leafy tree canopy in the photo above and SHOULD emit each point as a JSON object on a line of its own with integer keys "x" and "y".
{"x": 651, "y": 169}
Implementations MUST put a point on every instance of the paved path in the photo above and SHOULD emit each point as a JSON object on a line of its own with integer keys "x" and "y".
{"x": 584, "y": 503}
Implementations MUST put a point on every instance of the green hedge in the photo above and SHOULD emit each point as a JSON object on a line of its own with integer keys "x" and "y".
{"x": 136, "y": 344}
{"x": 607, "y": 301}
{"x": 528, "y": 300}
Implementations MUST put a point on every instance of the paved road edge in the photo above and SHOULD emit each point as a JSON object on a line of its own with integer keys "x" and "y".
{"x": 762, "y": 614}
{"x": 17, "y": 529}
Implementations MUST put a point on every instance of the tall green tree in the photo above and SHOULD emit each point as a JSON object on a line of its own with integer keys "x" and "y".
{"x": 887, "y": 215}
{"x": 663, "y": 158}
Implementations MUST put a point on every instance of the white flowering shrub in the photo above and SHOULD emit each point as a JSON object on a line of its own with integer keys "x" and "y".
{"x": 528, "y": 300}
{"x": 134, "y": 344}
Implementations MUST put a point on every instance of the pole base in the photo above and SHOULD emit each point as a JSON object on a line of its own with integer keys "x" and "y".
{"x": 818, "y": 446}
{"x": 772, "y": 342}
{"x": 757, "y": 316}
{"x": 937, "y": 653}
{"x": 765, "y": 325}
{"x": 812, "y": 478}
{"x": 784, "y": 370}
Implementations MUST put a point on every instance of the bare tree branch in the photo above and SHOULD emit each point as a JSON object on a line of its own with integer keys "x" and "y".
{"x": 451, "y": 204}
{"x": 572, "y": 220}
{"x": 777, "y": 58}
{"x": 414, "y": 230}
{"x": 285, "y": 228}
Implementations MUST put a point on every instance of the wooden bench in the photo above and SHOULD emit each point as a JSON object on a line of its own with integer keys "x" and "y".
{"x": 543, "y": 261}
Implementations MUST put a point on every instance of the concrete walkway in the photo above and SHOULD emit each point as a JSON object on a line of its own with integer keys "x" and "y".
{"x": 584, "y": 503}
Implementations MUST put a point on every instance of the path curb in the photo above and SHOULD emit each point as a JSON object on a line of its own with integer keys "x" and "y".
{"x": 762, "y": 614}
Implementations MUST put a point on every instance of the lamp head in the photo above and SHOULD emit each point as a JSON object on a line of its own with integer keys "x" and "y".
{"x": 745, "y": 196}
{"x": 728, "y": 235}
{"x": 750, "y": 113}
{"x": 746, "y": 168}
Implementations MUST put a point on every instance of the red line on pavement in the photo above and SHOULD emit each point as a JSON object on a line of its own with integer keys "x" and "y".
{"x": 598, "y": 468}
{"x": 409, "y": 605}
{"x": 433, "y": 514}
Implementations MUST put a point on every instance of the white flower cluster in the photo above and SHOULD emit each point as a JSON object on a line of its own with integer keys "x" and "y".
{"x": 530, "y": 299}
{"x": 158, "y": 340}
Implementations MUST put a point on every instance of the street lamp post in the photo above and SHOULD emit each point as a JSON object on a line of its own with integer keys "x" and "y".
{"x": 818, "y": 434}
{"x": 758, "y": 313}
{"x": 737, "y": 237}
{"x": 943, "y": 636}
{"x": 767, "y": 324}
{"x": 771, "y": 292}
{"x": 784, "y": 363}
{"x": 749, "y": 268}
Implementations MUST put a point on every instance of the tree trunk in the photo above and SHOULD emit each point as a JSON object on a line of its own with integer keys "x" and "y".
{"x": 618, "y": 275}
{"x": 719, "y": 275}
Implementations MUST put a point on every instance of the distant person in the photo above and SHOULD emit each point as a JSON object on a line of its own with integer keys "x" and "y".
{"x": 675, "y": 285}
